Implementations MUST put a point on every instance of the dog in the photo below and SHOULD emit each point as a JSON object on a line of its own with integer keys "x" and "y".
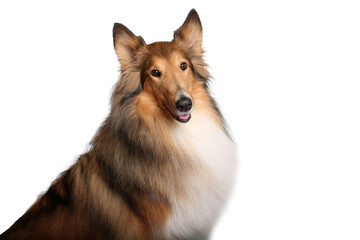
{"x": 162, "y": 164}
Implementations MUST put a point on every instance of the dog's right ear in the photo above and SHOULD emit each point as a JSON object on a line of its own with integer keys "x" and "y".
{"x": 126, "y": 44}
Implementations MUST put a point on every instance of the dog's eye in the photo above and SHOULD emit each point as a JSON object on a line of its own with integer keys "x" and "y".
{"x": 156, "y": 73}
{"x": 183, "y": 66}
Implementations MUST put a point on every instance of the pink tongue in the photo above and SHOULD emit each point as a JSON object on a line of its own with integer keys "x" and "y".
{"x": 184, "y": 117}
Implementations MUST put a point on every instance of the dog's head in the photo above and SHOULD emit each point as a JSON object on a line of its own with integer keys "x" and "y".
{"x": 166, "y": 71}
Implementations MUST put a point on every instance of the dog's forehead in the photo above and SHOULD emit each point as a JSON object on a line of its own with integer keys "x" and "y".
{"x": 166, "y": 64}
{"x": 167, "y": 50}
{"x": 163, "y": 53}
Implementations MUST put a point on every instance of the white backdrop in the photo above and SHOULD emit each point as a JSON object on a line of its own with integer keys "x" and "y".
{"x": 286, "y": 75}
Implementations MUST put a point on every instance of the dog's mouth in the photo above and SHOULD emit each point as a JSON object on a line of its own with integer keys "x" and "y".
{"x": 183, "y": 118}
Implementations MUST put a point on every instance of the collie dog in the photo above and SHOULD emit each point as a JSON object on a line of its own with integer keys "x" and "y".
{"x": 161, "y": 166}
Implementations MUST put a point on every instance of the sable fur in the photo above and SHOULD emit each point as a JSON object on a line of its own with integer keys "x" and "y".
{"x": 125, "y": 186}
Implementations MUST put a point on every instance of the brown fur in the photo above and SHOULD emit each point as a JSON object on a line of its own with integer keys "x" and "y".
{"x": 121, "y": 188}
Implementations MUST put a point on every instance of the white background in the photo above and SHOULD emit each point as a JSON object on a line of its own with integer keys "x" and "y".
{"x": 286, "y": 75}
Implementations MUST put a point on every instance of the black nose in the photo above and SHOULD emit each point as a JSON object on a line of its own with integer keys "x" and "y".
{"x": 184, "y": 104}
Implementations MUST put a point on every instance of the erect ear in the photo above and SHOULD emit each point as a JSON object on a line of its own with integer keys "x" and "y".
{"x": 126, "y": 44}
{"x": 190, "y": 33}
{"x": 189, "y": 37}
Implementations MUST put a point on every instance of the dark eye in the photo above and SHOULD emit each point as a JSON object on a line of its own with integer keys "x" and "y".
{"x": 156, "y": 73}
{"x": 183, "y": 66}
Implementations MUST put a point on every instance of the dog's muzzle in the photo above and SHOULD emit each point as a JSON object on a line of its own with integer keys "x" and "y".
{"x": 184, "y": 106}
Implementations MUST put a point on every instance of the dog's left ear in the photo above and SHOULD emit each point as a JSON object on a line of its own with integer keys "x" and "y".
{"x": 190, "y": 33}
{"x": 189, "y": 38}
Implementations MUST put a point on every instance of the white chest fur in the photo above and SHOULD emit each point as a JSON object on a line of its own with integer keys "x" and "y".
{"x": 208, "y": 186}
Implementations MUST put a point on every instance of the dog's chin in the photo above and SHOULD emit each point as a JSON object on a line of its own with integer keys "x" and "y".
{"x": 183, "y": 118}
